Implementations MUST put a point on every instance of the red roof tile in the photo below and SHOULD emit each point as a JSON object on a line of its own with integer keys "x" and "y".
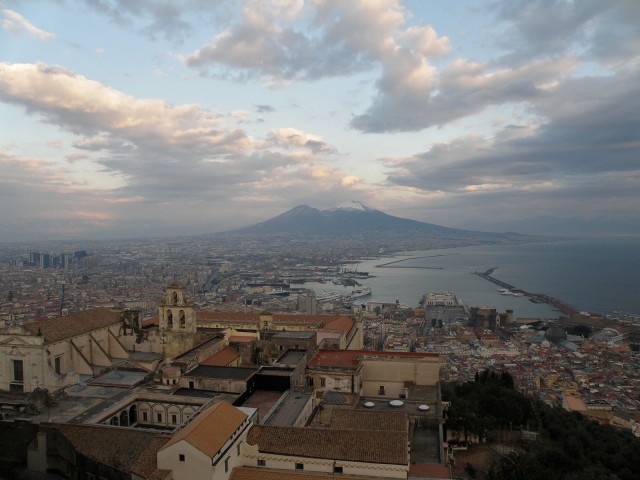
{"x": 78, "y": 323}
{"x": 211, "y": 429}
{"x": 429, "y": 470}
{"x": 221, "y": 358}
{"x": 228, "y": 316}
{"x": 351, "y": 445}
{"x": 347, "y": 419}
{"x": 124, "y": 449}
{"x": 351, "y": 358}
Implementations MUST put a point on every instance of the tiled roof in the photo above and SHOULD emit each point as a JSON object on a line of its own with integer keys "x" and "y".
{"x": 368, "y": 420}
{"x": 258, "y": 473}
{"x": 575, "y": 403}
{"x": 221, "y": 358}
{"x": 335, "y": 358}
{"x": 350, "y": 445}
{"x": 74, "y": 324}
{"x": 235, "y": 373}
{"x": 341, "y": 323}
{"x": 351, "y": 358}
{"x": 228, "y": 316}
{"x": 429, "y": 470}
{"x": 211, "y": 429}
{"x": 127, "y": 450}
{"x": 309, "y": 319}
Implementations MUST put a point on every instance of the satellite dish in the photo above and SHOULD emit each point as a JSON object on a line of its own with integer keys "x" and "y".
{"x": 396, "y": 403}
{"x": 423, "y": 408}
{"x": 369, "y": 405}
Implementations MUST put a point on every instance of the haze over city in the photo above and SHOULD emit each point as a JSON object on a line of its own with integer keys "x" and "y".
{"x": 130, "y": 119}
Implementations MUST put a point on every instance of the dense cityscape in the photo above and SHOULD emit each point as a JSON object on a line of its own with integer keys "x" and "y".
{"x": 319, "y": 240}
{"x": 235, "y": 287}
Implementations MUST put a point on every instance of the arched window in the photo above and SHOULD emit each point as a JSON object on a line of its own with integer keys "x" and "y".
{"x": 169, "y": 318}
{"x": 182, "y": 319}
{"x": 114, "y": 420}
{"x": 124, "y": 418}
{"x": 133, "y": 415}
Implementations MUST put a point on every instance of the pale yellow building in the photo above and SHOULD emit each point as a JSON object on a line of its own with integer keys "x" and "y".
{"x": 208, "y": 447}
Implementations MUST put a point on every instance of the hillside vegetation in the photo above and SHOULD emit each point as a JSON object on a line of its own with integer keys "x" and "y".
{"x": 569, "y": 446}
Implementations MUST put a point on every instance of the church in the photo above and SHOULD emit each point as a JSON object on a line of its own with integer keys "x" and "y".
{"x": 58, "y": 352}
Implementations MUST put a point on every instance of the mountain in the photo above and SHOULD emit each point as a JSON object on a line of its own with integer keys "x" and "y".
{"x": 354, "y": 218}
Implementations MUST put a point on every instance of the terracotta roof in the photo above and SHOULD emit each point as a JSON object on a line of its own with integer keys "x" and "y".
{"x": 309, "y": 319}
{"x": 221, "y": 358}
{"x": 233, "y": 316}
{"x": 124, "y": 449}
{"x": 367, "y": 420}
{"x": 351, "y": 358}
{"x": 261, "y": 473}
{"x": 74, "y": 324}
{"x": 429, "y": 470}
{"x": 341, "y": 323}
{"x": 350, "y": 445}
{"x": 335, "y": 358}
{"x": 211, "y": 429}
{"x": 575, "y": 403}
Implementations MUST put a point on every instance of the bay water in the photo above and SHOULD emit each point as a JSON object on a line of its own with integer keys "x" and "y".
{"x": 598, "y": 275}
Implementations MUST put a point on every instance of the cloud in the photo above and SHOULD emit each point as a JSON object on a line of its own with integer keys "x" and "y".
{"x": 351, "y": 37}
{"x": 17, "y": 23}
{"x": 590, "y": 29}
{"x": 265, "y": 109}
{"x": 293, "y": 138}
{"x": 146, "y": 154}
{"x": 169, "y": 20}
{"x": 328, "y": 38}
{"x": 581, "y": 159}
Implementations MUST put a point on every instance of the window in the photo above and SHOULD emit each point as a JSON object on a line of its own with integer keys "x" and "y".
{"x": 57, "y": 364}
{"x": 299, "y": 466}
{"x": 18, "y": 371}
{"x": 174, "y": 418}
{"x": 226, "y": 465}
{"x": 145, "y": 417}
{"x": 381, "y": 390}
{"x": 238, "y": 449}
{"x": 181, "y": 457}
{"x": 337, "y": 469}
{"x": 159, "y": 417}
{"x": 192, "y": 385}
{"x": 262, "y": 462}
{"x": 322, "y": 381}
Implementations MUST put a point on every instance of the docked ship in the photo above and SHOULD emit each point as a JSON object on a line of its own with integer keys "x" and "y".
{"x": 360, "y": 292}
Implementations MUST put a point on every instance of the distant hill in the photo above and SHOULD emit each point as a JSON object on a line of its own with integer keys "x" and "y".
{"x": 355, "y": 218}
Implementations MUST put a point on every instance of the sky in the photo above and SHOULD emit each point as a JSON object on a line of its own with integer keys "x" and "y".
{"x": 124, "y": 118}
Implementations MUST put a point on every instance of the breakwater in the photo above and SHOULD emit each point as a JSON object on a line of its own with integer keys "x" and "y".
{"x": 533, "y": 297}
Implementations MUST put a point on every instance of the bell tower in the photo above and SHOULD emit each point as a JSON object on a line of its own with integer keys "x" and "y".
{"x": 177, "y": 321}
{"x": 175, "y": 312}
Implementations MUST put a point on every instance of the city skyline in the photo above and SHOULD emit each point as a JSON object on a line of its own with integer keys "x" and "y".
{"x": 130, "y": 119}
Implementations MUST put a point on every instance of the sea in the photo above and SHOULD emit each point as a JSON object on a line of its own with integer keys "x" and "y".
{"x": 596, "y": 275}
